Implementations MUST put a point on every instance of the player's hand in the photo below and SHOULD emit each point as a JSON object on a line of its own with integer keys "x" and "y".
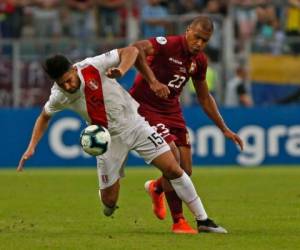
{"x": 161, "y": 90}
{"x": 28, "y": 153}
{"x": 114, "y": 73}
{"x": 234, "y": 137}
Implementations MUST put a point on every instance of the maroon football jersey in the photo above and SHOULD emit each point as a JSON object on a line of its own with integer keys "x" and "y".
{"x": 172, "y": 66}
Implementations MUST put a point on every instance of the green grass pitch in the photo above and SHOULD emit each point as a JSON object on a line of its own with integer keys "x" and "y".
{"x": 60, "y": 209}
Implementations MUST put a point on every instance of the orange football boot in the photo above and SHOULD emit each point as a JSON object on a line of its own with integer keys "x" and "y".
{"x": 183, "y": 227}
{"x": 158, "y": 202}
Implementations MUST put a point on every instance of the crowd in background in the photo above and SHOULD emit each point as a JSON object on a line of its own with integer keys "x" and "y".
{"x": 266, "y": 23}
{"x": 267, "y": 19}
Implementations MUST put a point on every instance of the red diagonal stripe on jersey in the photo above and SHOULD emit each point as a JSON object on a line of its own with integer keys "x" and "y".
{"x": 94, "y": 95}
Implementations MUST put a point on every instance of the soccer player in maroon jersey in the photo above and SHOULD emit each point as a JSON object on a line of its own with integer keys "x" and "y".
{"x": 166, "y": 64}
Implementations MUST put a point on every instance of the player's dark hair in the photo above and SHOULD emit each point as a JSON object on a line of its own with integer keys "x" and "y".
{"x": 205, "y": 22}
{"x": 57, "y": 65}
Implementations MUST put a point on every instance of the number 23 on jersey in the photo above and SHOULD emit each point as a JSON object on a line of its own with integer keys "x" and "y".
{"x": 177, "y": 81}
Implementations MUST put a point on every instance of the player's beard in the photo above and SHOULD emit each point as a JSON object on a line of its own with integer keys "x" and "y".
{"x": 196, "y": 50}
{"x": 74, "y": 90}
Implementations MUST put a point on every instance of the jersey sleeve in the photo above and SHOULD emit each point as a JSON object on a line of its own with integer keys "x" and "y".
{"x": 106, "y": 60}
{"x": 158, "y": 43}
{"x": 200, "y": 73}
{"x": 54, "y": 103}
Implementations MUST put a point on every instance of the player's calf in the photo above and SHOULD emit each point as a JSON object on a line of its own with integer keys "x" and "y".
{"x": 109, "y": 203}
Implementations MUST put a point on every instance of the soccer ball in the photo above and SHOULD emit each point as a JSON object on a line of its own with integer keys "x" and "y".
{"x": 95, "y": 140}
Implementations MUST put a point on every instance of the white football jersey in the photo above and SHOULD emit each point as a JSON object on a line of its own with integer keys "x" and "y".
{"x": 99, "y": 100}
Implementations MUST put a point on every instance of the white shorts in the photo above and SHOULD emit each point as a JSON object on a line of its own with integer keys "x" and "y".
{"x": 143, "y": 139}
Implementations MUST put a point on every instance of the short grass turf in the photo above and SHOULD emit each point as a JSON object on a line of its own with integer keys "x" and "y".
{"x": 60, "y": 209}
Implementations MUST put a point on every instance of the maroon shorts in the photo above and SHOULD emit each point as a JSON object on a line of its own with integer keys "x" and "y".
{"x": 170, "y": 126}
{"x": 179, "y": 135}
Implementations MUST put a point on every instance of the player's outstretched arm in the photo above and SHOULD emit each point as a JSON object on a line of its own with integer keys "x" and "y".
{"x": 210, "y": 107}
{"x": 128, "y": 57}
{"x": 39, "y": 129}
{"x": 146, "y": 49}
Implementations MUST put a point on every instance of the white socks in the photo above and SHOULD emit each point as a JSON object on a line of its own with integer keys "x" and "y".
{"x": 186, "y": 191}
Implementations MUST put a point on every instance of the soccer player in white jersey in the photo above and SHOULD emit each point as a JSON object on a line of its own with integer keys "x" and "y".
{"x": 89, "y": 89}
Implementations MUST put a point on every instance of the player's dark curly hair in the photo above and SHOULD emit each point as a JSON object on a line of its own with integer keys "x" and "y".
{"x": 205, "y": 22}
{"x": 55, "y": 66}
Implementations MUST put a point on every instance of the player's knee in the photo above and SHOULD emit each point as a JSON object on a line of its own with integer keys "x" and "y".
{"x": 172, "y": 171}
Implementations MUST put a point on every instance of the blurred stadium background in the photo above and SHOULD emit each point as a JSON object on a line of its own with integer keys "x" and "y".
{"x": 253, "y": 72}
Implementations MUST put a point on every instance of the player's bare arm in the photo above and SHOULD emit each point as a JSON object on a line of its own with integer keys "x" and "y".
{"x": 128, "y": 57}
{"x": 210, "y": 107}
{"x": 39, "y": 129}
{"x": 145, "y": 48}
